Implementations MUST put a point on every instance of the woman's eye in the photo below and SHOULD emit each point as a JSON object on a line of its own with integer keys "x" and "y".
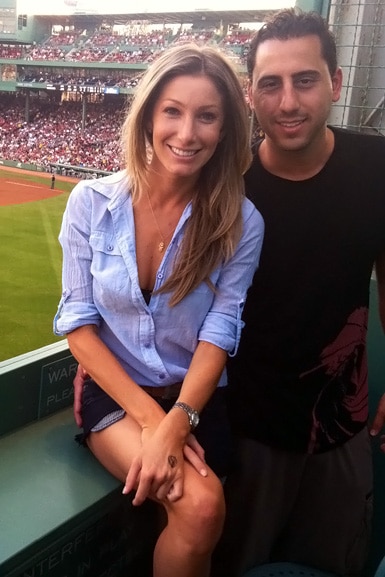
{"x": 171, "y": 111}
{"x": 208, "y": 116}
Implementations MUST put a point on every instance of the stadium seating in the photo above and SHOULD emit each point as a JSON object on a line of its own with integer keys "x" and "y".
{"x": 53, "y": 134}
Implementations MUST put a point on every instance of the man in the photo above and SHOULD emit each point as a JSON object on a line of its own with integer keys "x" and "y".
{"x": 301, "y": 489}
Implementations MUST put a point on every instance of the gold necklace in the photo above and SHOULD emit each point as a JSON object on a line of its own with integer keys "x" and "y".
{"x": 162, "y": 243}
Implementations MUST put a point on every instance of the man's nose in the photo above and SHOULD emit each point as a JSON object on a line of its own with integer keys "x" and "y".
{"x": 289, "y": 98}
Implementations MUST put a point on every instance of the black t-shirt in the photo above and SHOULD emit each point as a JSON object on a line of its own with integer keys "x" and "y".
{"x": 299, "y": 380}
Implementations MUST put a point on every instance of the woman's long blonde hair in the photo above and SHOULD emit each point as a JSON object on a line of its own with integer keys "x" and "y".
{"x": 215, "y": 225}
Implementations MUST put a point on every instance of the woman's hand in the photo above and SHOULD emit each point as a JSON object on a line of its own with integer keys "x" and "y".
{"x": 158, "y": 470}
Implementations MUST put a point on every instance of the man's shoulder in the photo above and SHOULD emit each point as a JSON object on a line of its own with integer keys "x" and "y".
{"x": 353, "y": 141}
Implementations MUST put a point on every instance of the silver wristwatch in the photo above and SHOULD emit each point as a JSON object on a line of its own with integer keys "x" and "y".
{"x": 193, "y": 415}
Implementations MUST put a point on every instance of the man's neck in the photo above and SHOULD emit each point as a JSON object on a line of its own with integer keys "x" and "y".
{"x": 297, "y": 164}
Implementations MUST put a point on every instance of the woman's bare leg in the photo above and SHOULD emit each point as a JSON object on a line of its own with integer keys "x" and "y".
{"x": 194, "y": 526}
{"x": 194, "y": 522}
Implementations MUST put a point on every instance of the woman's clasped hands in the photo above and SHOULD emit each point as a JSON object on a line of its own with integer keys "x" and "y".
{"x": 158, "y": 470}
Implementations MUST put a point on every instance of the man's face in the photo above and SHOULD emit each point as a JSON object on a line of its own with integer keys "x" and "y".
{"x": 292, "y": 91}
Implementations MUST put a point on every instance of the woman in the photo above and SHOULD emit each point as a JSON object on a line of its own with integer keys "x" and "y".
{"x": 157, "y": 262}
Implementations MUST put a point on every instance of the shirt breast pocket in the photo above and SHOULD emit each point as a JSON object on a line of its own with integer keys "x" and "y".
{"x": 108, "y": 268}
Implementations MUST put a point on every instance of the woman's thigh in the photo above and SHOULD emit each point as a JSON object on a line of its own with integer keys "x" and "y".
{"x": 116, "y": 445}
{"x": 115, "y": 448}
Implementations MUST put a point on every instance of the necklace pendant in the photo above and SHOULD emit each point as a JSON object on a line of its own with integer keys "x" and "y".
{"x": 161, "y": 246}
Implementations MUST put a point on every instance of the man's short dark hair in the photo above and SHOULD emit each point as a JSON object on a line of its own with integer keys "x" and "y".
{"x": 294, "y": 23}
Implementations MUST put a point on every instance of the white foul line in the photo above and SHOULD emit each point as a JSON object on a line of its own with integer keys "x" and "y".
{"x": 19, "y": 184}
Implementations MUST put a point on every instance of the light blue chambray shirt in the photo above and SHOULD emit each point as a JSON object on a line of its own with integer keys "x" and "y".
{"x": 155, "y": 342}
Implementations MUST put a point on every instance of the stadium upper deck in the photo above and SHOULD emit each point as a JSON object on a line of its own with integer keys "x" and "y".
{"x": 75, "y": 74}
{"x": 80, "y": 19}
{"x": 105, "y": 53}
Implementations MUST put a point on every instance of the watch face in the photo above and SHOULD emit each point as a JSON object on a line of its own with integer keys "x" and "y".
{"x": 194, "y": 419}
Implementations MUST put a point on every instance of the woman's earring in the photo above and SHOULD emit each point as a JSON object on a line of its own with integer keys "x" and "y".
{"x": 149, "y": 136}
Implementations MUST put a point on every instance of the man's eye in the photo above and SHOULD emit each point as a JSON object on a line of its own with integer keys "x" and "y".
{"x": 269, "y": 85}
{"x": 305, "y": 82}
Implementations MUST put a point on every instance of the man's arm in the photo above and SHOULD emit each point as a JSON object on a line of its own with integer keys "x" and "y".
{"x": 80, "y": 377}
{"x": 379, "y": 419}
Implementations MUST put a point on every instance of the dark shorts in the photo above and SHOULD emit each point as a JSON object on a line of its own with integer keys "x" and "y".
{"x": 213, "y": 431}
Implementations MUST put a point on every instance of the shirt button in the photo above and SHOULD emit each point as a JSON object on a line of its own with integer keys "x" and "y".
{"x": 162, "y": 376}
{"x": 159, "y": 275}
{"x": 110, "y": 247}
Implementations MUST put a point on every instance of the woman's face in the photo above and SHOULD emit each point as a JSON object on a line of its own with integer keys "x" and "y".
{"x": 186, "y": 126}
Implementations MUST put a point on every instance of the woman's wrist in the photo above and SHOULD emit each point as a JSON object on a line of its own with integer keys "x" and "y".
{"x": 178, "y": 423}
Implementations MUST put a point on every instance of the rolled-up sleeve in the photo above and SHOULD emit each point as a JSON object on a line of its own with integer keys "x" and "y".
{"x": 76, "y": 306}
{"x": 223, "y": 324}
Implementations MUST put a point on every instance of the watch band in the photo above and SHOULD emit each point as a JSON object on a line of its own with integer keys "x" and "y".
{"x": 193, "y": 415}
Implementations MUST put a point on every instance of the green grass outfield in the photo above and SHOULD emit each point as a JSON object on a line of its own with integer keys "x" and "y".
{"x": 30, "y": 257}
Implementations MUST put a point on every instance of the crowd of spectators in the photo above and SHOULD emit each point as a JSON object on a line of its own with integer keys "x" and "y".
{"x": 45, "y": 53}
{"x": 10, "y": 51}
{"x": 153, "y": 38}
{"x": 133, "y": 47}
{"x": 122, "y": 79}
{"x": 102, "y": 38}
{"x": 137, "y": 56}
{"x": 64, "y": 38}
{"x": 238, "y": 38}
{"x": 87, "y": 54}
{"x": 199, "y": 36}
{"x": 54, "y": 134}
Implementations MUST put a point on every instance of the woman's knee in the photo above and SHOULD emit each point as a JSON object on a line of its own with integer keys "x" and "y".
{"x": 202, "y": 510}
{"x": 209, "y": 500}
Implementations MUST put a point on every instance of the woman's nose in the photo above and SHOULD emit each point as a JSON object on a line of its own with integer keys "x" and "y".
{"x": 186, "y": 129}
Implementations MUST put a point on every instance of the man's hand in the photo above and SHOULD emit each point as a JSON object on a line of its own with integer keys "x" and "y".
{"x": 379, "y": 421}
{"x": 80, "y": 377}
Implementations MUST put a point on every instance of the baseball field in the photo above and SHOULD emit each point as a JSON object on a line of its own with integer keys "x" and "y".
{"x": 30, "y": 257}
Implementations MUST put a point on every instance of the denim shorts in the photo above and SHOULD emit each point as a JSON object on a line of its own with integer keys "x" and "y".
{"x": 213, "y": 431}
